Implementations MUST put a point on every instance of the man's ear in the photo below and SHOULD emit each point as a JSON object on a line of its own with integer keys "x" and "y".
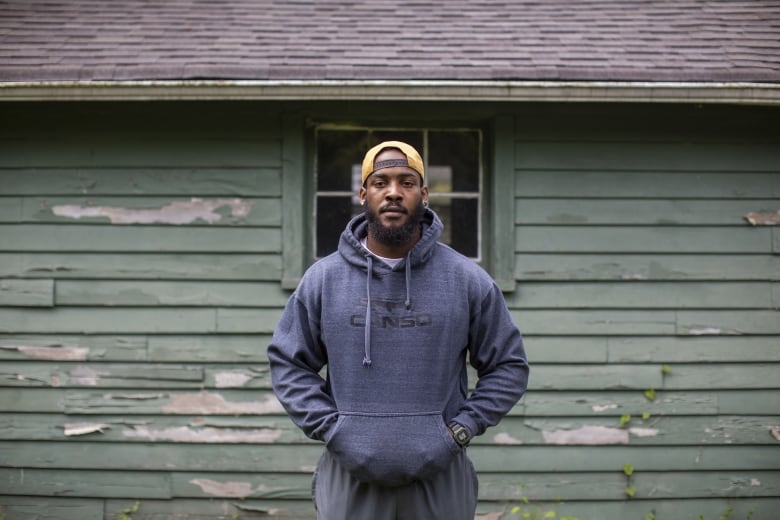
{"x": 424, "y": 191}
{"x": 362, "y": 195}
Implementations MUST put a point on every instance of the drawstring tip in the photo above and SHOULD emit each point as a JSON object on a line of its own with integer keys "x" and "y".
{"x": 366, "y": 362}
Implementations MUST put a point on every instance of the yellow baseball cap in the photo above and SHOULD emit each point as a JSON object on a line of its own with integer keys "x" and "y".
{"x": 413, "y": 159}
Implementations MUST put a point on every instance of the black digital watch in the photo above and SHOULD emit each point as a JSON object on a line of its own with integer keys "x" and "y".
{"x": 460, "y": 433}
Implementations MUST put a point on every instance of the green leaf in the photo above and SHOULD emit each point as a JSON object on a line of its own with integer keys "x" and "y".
{"x": 630, "y": 491}
{"x": 515, "y": 510}
{"x": 625, "y": 419}
{"x": 649, "y": 516}
{"x": 628, "y": 469}
{"x": 650, "y": 394}
{"x": 550, "y": 514}
{"x": 645, "y": 416}
{"x": 666, "y": 369}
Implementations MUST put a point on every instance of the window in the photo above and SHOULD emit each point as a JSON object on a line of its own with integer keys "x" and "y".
{"x": 453, "y": 172}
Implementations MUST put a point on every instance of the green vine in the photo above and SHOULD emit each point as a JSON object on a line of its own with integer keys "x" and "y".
{"x": 529, "y": 511}
{"x": 628, "y": 471}
{"x": 127, "y": 513}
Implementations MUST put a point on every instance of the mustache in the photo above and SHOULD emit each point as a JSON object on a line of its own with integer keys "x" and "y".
{"x": 393, "y": 207}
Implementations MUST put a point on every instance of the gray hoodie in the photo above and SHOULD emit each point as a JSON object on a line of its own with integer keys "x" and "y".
{"x": 395, "y": 342}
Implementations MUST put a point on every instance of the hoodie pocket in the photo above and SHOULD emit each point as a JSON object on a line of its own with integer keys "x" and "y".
{"x": 392, "y": 449}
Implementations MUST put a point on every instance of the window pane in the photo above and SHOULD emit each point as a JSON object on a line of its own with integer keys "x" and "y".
{"x": 409, "y": 137}
{"x": 459, "y": 151}
{"x": 461, "y": 223}
{"x": 333, "y": 213}
{"x": 337, "y": 152}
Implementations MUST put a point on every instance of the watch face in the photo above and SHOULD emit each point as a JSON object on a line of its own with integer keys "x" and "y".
{"x": 461, "y": 435}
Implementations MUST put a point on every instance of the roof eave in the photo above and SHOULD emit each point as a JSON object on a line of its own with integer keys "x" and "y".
{"x": 393, "y": 90}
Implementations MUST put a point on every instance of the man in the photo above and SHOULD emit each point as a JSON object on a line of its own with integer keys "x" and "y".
{"x": 394, "y": 314}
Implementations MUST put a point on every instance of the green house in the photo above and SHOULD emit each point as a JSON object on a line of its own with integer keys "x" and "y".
{"x": 168, "y": 170}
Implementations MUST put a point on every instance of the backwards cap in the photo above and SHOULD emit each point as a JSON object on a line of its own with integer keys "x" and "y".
{"x": 413, "y": 159}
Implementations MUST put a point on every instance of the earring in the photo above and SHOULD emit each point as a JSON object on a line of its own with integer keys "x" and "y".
{"x": 425, "y": 203}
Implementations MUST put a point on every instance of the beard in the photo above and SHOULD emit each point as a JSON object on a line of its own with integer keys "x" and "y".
{"x": 397, "y": 235}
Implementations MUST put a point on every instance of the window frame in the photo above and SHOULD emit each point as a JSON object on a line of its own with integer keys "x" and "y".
{"x": 497, "y": 190}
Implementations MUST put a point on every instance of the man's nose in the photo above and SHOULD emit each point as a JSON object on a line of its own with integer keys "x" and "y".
{"x": 393, "y": 191}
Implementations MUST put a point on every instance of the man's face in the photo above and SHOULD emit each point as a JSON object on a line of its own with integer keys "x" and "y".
{"x": 393, "y": 200}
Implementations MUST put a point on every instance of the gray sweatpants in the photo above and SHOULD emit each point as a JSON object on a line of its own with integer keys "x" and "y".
{"x": 450, "y": 495}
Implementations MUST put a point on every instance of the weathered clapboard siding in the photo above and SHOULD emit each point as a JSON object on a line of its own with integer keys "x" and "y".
{"x": 27, "y": 293}
{"x": 659, "y": 429}
{"x": 638, "y": 248}
{"x": 142, "y": 210}
{"x": 99, "y": 239}
{"x": 610, "y": 403}
{"x": 140, "y": 274}
{"x": 133, "y": 223}
{"x": 139, "y": 266}
{"x": 581, "y": 486}
{"x": 621, "y": 266}
{"x": 557, "y": 376}
{"x": 279, "y": 458}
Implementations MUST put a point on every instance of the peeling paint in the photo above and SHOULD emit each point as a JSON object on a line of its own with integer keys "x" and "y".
{"x": 505, "y": 438}
{"x": 50, "y": 353}
{"x": 134, "y": 396}
{"x": 178, "y": 212}
{"x": 205, "y": 435}
{"x": 231, "y": 379}
{"x": 587, "y": 435}
{"x": 774, "y": 430}
{"x": 755, "y": 482}
{"x": 634, "y": 277}
{"x": 490, "y": 516}
{"x": 644, "y": 432}
{"x": 704, "y": 331}
{"x": 763, "y": 218}
{"x": 603, "y": 407}
{"x": 84, "y": 376}
{"x": 227, "y": 489}
{"x": 210, "y": 403}
{"x": 271, "y": 511}
{"x": 73, "y": 429}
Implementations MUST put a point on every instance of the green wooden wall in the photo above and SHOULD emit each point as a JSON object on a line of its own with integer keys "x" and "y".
{"x": 141, "y": 269}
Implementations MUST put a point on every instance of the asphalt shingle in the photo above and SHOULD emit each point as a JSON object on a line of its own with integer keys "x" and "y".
{"x": 607, "y": 40}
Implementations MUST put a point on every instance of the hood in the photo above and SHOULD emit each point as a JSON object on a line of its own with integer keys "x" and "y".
{"x": 357, "y": 228}
{"x": 354, "y": 253}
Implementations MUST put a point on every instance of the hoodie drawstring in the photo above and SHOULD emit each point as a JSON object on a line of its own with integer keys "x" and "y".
{"x": 367, "y": 340}
{"x": 407, "y": 303}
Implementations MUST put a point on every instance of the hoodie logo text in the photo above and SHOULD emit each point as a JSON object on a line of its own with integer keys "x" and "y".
{"x": 387, "y": 314}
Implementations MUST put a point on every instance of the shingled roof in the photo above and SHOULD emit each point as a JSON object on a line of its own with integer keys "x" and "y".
{"x": 607, "y": 40}
{"x": 608, "y": 50}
